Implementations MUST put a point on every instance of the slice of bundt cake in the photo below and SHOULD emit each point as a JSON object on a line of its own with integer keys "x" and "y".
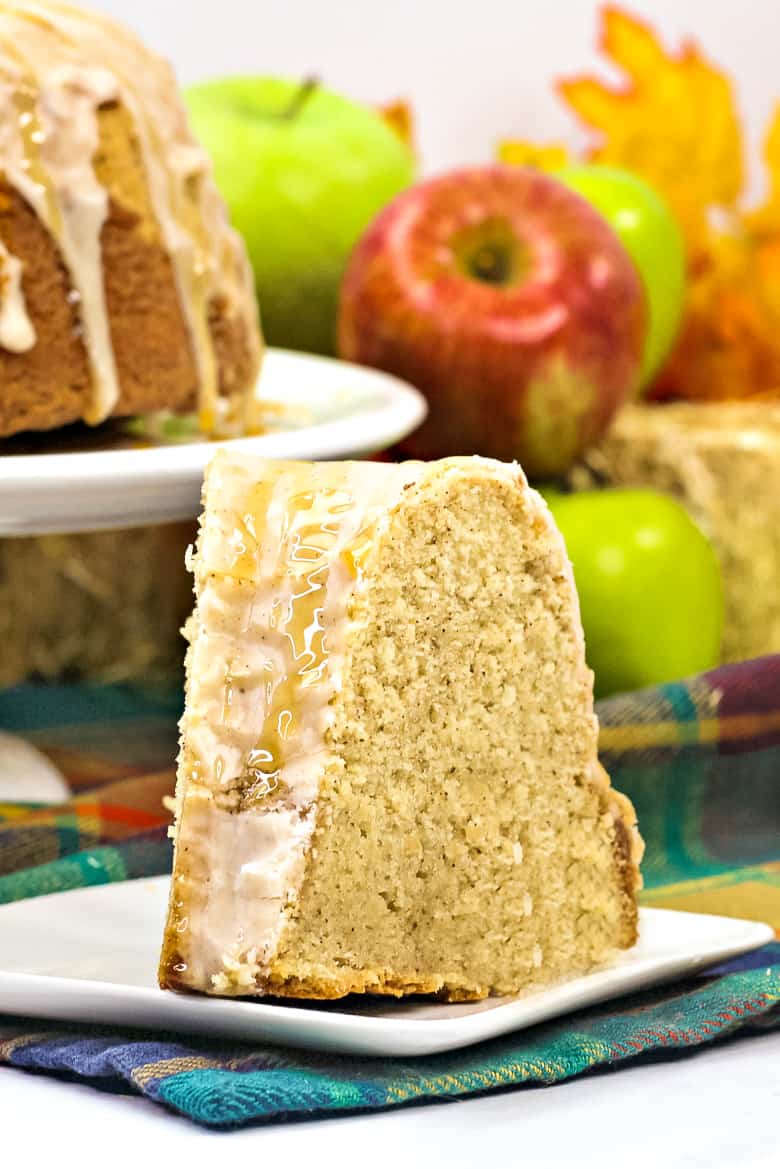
{"x": 123, "y": 288}
{"x": 388, "y": 778}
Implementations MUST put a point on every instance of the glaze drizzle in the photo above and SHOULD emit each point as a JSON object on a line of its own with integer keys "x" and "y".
{"x": 58, "y": 66}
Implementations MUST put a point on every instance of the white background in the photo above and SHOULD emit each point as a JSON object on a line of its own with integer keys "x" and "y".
{"x": 476, "y": 70}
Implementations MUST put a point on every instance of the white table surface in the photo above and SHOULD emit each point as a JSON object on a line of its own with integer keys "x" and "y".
{"x": 716, "y": 1109}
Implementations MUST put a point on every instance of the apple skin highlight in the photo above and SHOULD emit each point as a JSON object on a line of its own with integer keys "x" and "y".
{"x": 652, "y": 237}
{"x": 510, "y": 303}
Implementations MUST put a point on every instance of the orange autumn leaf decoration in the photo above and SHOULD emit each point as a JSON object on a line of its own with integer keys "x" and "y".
{"x": 399, "y": 117}
{"x": 672, "y": 119}
{"x": 529, "y": 154}
{"x": 728, "y": 345}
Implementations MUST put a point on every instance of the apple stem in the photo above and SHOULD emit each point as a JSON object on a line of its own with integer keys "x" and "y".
{"x": 307, "y": 87}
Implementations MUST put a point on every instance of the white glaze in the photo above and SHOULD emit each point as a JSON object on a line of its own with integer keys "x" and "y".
{"x": 247, "y": 570}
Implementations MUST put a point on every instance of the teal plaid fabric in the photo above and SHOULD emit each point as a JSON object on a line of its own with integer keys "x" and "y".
{"x": 223, "y": 1086}
{"x": 700, "y": 759}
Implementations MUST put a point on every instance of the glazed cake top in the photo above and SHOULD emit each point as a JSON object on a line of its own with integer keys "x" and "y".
{"x": 58, "y": 66}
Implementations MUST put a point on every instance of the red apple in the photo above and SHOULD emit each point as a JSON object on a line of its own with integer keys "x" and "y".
{"x": 510, "y": 303}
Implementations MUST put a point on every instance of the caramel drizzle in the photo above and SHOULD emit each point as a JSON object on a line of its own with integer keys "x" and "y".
{"x": 310, "y": 526}
{"x": 56, "y": 143}
{"x": 31, "y": 136}
{"x": 205, "y": 251}
{"x": 188, "y": 210}
{"x": 173, "y": 190}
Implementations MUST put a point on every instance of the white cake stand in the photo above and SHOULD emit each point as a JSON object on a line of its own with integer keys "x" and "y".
{"x": 331, "y": 409}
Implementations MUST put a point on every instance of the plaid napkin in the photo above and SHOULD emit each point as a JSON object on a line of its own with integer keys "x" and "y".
{"x": 700, "y": 759}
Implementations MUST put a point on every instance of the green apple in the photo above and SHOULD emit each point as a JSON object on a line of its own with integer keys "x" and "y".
{"x": 303, "y": 172}
{"x": 651, "y": 236}
{"x": 649, "y": 586}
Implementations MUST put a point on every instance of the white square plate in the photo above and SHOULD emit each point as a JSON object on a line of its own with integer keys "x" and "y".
{"x": 91, "y": 956}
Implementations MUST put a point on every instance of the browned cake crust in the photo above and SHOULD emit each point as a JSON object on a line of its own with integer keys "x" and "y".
{"x": 49, "y": 385}
{"x": 629, "y": 850}
{"x": 123, "y": 288}
{"x": 44, "y": 387}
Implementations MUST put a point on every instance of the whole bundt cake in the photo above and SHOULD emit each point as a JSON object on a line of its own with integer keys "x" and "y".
{"x": 123, "y": 288}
